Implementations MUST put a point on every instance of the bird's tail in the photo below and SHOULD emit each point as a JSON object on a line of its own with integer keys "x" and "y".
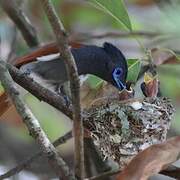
{"x": 47, "y": 49}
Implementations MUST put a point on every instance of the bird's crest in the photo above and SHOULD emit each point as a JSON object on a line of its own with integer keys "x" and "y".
{"x": 113, "y": 51}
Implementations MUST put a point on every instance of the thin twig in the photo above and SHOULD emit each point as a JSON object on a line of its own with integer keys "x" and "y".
{"x": 62, "y": 41}
{"x": 56, "y": 162}
{"x": 37, "y": 90}
{"x": 115, "y": 34}
{"x": 20, "y": 19}
{"x": 26, "y": 163}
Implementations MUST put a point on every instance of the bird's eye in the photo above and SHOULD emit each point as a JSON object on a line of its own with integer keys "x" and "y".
{"x": 118, "y": 71}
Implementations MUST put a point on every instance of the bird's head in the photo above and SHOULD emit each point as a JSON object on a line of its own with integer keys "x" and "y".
{"x": 117, "y": 66}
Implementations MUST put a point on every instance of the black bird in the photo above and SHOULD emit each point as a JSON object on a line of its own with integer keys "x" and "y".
{"x": 106, "y": 62}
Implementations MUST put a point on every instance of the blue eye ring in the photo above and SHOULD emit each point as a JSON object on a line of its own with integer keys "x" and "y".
{"x": 117, "y": 72}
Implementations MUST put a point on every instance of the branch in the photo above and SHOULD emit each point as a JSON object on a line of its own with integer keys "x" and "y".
{"x": 26, "y": 163}
{"x": 115, "y": 34}
{"x": 21, "y": 20}
{"x": 37, "y": 90}
{"x": 56, "y": 162}
{"x": 62, "y": 41}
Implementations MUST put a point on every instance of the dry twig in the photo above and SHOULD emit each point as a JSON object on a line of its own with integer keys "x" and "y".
{"x": 37, "y": 90}
{"x": 62, "y": 41}
{"x": 113, "y": 34}
{"x": 56, "y": 162}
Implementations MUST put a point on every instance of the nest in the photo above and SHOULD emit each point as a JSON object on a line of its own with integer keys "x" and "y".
{"x": 121, "y": 129}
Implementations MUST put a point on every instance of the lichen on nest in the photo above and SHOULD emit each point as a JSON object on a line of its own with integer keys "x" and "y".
{"x": 120, "y": 130}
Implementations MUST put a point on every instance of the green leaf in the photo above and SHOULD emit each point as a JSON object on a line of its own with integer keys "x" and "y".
{"x": 134, "y": 66}
{"x": 94, "y": 82}
{"x": 116, "y": 9}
